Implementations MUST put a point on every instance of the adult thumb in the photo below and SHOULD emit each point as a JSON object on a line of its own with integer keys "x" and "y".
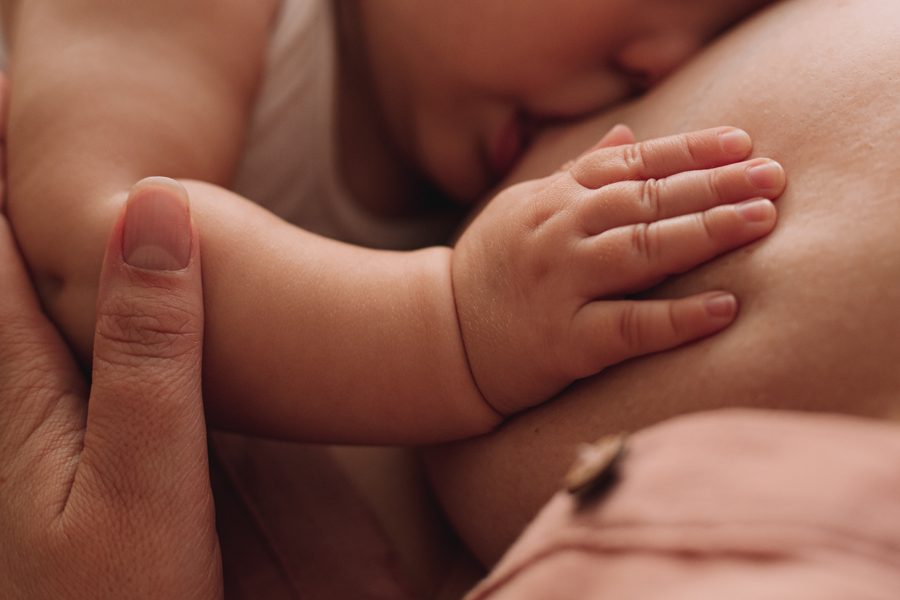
{"x": 145, "y": 434}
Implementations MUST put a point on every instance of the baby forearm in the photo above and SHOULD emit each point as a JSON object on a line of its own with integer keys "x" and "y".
{"x": 322, "y": 341}
{"x": 316, "y": 340}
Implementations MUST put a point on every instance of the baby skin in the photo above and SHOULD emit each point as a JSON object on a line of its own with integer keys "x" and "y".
{"x": 316, "y": 340}
{"x": 528, "y": 300}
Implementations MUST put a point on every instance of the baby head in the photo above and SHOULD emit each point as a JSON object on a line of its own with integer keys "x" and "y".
{"x": 461, "y": 83}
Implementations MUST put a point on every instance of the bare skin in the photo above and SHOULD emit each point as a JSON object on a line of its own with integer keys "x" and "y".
{"x": 674, "y": 122}
{"x": 486, "y": 73}
{"x": 819, "y": 329}
{"x": 333, "y": 342}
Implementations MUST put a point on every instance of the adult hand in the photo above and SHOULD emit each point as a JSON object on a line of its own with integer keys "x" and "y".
{"x": 106, "y": 494}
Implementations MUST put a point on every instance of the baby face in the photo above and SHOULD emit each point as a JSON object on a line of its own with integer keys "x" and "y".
{"x": 464, "y": 83}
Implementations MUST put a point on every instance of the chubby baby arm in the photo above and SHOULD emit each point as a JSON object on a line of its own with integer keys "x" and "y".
{"x": 542, "y": 277}
{"x": 316, "y": 340}
{"x": 105, "y": 93}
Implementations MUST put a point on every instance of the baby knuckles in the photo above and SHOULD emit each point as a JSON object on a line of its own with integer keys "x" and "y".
{"x": 663, "y": 157}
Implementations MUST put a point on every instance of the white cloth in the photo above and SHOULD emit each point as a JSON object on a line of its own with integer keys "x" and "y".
{"x": 290, "y": 160}
{"x": 289, "y": 164}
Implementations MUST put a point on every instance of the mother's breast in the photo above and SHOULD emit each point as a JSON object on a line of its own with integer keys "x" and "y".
{"x": 817, "y": 84}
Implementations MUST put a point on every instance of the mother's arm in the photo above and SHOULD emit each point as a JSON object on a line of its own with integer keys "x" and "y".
{"x": 817, "y": 83}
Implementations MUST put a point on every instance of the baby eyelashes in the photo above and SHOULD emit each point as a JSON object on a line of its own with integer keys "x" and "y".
{"x": 551, "y": 259}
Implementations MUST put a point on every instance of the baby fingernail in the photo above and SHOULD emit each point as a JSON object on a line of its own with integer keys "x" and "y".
{"x": 735, "y": 142}
{"x": 756, "y": 211}
{"x": 157, "y": 230}
{"x": 766, "y": 175}
{"x": 722, "y": 305}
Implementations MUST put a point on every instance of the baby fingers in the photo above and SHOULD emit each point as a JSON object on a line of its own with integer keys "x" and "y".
{"x": 651, "y": 200}
{"x": 636, "y": 257}
{"x": 662, "y": 157}
{"x": 606, "y": 333}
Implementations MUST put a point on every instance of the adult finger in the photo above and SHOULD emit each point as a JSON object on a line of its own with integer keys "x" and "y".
{"x": 40, "y": 384}
{"x": 145, "y": 432}
{"x": 663, "y": 157}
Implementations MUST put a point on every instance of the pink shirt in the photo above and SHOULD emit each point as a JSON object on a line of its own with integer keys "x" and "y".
{"x": 734, "y": 504}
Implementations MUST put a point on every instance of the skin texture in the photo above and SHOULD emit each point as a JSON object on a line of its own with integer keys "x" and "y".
{"x": 818, "y": 329}
{"x": 105, "y": 493}
{"x": 531, "y": 286}
{"x": 95, "y": 107}
{"x": 650, "y": 126}
{"x": 483, "y": 69}
{"x": 332, "y": 342}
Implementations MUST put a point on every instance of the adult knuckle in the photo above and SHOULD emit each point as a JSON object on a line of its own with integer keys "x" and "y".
{"x": 128, "y": 331}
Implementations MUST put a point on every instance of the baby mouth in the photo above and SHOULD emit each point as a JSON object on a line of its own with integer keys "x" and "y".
{"x": 508, "y": 147}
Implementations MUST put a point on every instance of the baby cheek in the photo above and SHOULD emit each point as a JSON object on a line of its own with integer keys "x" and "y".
{"x": 650, "y": 59}
{"x": 454, "y": 162}
{"x": 579, "y": 96}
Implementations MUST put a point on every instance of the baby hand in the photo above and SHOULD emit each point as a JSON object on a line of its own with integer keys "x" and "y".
{"x": 538, "y": 277}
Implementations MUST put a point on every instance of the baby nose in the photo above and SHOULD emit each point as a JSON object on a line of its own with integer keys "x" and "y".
{"x": 649, "y": 59}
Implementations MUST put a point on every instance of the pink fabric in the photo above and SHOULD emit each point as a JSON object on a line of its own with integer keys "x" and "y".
{"x": 734, "y": 504}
